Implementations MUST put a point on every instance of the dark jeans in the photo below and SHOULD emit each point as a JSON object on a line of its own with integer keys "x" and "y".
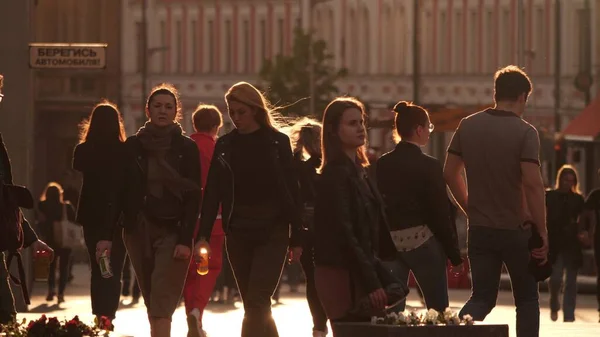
{"x": 7, "y": 301}
{"x": 314, "y": 303}
{"x": 130, "y": 281}
{"x": 257, "y": 258}
{"x": 488, "y": 249}
{"x": 564, "y": 262}
{"x": 63, "y": 255}
{"x": 428, "y": 265}
{"x": 105, "y": 292}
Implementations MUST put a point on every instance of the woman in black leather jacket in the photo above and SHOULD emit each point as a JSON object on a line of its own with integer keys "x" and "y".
{"x": 161, "y": 202}
{"x": 100, "y": 157}
{"x": 418, "y": 209}
{"x": 350, "y": 230}
{"x": 253, "y": 178}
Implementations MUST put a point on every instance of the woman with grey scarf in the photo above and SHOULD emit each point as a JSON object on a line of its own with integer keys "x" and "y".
{"x": 160, "y": 206}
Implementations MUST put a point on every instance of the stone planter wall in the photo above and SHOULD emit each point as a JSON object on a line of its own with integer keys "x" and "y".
{"x": 371, "y": 330}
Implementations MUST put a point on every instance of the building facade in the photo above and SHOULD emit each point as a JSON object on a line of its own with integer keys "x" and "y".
{"x": 203, "y": 47}
{"x": 64, "y": 97}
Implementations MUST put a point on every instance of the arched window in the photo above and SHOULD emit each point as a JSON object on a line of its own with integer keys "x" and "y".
{"x": 389, "y": 29}
{"x": 352, "y": 45}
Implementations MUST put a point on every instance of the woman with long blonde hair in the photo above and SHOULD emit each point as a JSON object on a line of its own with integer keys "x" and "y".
{"x": 100, "y": 158}
{"x": 306, "y": 143}
{"x": 252, "y": 177}
{"x": 564, "y": 205}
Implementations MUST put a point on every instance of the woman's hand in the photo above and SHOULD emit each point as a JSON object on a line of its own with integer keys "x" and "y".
{"x": 198, "y": 246}
{"x": 101, "y": 247}
{"x": 378, "y": 299}
{"x": 457, "y": 270}
{"x": 40, "y": 245}
{"x": 295, "y": 253}
{"x": 182, "y": 252}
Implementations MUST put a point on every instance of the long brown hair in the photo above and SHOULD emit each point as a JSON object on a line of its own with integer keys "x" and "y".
{"x": 331, "y": 145}
{"x": 105, "y": 123}
{"x": 564, "y": 170}
{"x": 246, "y": 93}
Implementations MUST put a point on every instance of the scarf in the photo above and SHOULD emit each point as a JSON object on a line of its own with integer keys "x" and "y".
{"x": 156, "y": 140}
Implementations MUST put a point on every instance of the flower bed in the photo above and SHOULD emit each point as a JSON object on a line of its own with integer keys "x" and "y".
{"x": 424, "y": 324}
{"x": 52, "y": 327}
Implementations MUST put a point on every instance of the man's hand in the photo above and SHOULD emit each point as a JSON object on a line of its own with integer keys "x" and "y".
{"x": 457, "y": 270}
{"x": 182, "y": 252}
{"x": 295, "y": 253}
{"x": 542, "y": 252}
{"x": 198, "y": 246}
{"x": 40, "y": 245}
{"x": 103, "y": 246}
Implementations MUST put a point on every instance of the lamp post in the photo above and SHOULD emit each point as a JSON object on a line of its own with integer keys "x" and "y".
{"x": 557, "y": 84}
{"x": 311, "y": 71}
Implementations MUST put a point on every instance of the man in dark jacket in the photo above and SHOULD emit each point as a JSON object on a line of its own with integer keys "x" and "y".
{"x": 7, "y": 302}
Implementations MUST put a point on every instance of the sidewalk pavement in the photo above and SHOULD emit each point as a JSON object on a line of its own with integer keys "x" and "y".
{"x": 292, "y": 317}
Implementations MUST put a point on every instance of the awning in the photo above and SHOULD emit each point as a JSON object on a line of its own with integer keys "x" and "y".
{"x": 586, "y": 126}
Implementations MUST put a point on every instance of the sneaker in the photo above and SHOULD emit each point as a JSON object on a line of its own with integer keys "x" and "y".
{"x": 50, "y": 296}
{"x": 61, "y": 298}
{"x": 554, "y": 316}
{"x": 193, "y": 322}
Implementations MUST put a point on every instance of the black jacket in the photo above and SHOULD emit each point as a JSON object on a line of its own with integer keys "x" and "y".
{"x": 219, "y": 185}
{"x": 103, "y": 168}
{"x": 29, "y": 236}
{"x": 185, "y": 158}
{"x": 348, "y": 232}
{"x": 563, "y": 211}
{"x": 413, "y": 188}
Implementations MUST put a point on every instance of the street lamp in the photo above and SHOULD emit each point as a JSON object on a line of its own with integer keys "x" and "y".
{"x": 311, "y": 71}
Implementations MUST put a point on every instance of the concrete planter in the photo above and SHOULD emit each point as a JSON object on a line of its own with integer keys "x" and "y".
{"x": 372, "y": 330}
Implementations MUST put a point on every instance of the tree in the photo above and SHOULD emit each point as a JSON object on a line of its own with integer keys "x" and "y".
{"x": 288, "y": 77}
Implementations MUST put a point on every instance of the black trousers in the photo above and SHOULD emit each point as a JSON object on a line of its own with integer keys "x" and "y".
{"x": 597, "y": 257}
{"x": 62, "y": 257}
{"x": 257, "y": 257}
{"x": 105, "y": 292}
{"x": 314, "y": 303}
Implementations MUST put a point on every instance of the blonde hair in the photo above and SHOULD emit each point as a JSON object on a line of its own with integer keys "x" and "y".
{"x": 305, "y": 135}
{"x": 247, "y": 94}
{"x": 53, "y": 192}
{"x": 564, "y": 170}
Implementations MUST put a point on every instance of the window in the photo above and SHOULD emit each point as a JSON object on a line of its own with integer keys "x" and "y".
{"x": 352, "y": 44}
{"x": 581, "y": 41}
{"x": 211, "y": 46}
{"x": 473, "y": 45}
{"x": 539, "y": 56}
{"x": 366, "y": 48}
{"x": 139, "y": 34}
{"x": 506, "y": 38}
{"x": 281, "y": 32}
{"x": 459, "y": 45}
{"x": 443, "y": 52}
{"x": 263, "y": 40}
{"x": 194, "y": 37}
{"x": 489, "y": 64}
{"x": 228, "y": 49}
{"x": 163, "y": 42}
{"x": 246, "y": 43}
{"x": 179, "y": 47}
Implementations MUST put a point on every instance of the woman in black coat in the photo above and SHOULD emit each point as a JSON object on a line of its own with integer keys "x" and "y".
{"x": 100, "y": 158}
{"x": 418, "y": 208}
{"x": 351, "y": 234}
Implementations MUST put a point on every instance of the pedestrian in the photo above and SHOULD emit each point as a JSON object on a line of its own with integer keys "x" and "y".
{"x": 306, "y": 144}
{"x": 207, "y": 121}
{"x": 30, "y": 239}
{"x": 160, "y": 206}
{"x": 51, "y": 210}
{"x": 418, "y": 210}
{"x": 100, "y": 157}
{"x": 499, "y": 153}
{"x": 351, "y": 233}
{"x": 252, "y": 177}
{"x": 591, "y": 221}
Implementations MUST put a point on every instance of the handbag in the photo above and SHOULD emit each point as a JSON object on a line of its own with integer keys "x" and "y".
{"x": 66, "y": 233}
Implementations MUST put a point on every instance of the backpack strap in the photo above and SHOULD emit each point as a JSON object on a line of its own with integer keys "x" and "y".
{"x": 21, "y": 281}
